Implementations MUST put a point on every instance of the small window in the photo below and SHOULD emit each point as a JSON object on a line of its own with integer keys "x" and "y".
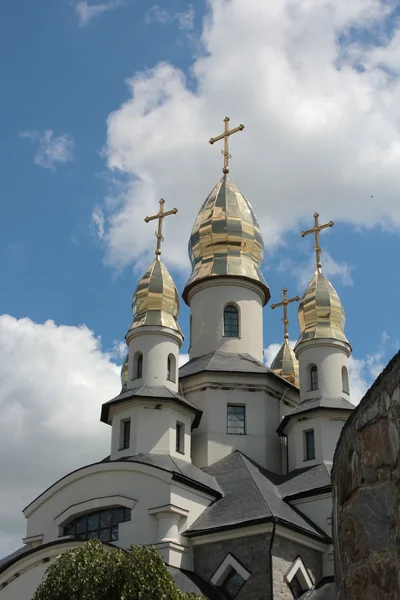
{"x": 295, "y": 587}
{"x": 236, "y": 419}
{"x": 345, "y": 380}
{"x": 125, "y": 434}
{"x": 298, "y": 579}
{"x": 309, "y": 444}
{"x": 180, "y": 438}
{"x": 171, "y": 368}
{"x": 314, "y": 378}
{"x": 231, "y": 321}
{"x": 101, "y": 525}
{"x": 139, "y": 367}
{"x": 232, "y": 583}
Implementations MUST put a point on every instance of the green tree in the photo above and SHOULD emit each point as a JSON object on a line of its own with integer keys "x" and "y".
{"x": 92, "y": 573}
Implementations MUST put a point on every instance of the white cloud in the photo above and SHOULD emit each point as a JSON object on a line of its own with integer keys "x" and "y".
{"x": 87, "y": 12}
{"x": 98, "y": 221}
{"x": 317, "y": 137}
{"x": 53, "y": 382}
{"x": 303, "y": 271}
{"x": 185, "y": 19}
{"x": 183, "y": 359}
{"x": 51, "y": 149}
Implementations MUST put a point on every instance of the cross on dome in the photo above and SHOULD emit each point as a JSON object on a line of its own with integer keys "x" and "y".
{"x": 160, "y": 216}
{"x": 285, "y": 303}
{"x": 225, "y": 136}
{"x": 316, "y": 229}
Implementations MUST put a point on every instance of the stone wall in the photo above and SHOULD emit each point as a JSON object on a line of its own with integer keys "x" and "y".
{"x": 252, "y": 552}
{"x": 284, "y": 553}
{"x": 366, "y": 494}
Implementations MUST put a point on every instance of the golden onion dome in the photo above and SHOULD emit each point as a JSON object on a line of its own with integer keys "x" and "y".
{"x": 226, "y": 239}
{"x": 286, "y": 364}
{"x": 321, "y": 313}
{"x": 156, "y": 300}
{"x": 124, "y": 372}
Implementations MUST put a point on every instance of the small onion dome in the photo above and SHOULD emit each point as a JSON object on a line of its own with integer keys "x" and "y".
{"x": 156, "y": 300}
{"x": 124, "y": 372}
{"x": 286, "y": 364}
{"x": 226, "y": 239}
{"x": 321, "y": 313}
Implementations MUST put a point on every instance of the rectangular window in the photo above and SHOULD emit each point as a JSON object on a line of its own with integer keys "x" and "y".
{"x": 309, "y": 444}
{"x": 180, "y": 437}
{"x": 236, "y": 419}
{"x": 125, "y": 434}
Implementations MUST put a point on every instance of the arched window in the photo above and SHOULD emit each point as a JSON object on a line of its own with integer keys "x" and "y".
{"x": 313, "y": 378}
{"x": 345, "y": 380}
{"x": 231, "y": 321}
{"x": 100, "y": 524}
{"x": 171, "y": 368}
{"x": 137, "y": 366}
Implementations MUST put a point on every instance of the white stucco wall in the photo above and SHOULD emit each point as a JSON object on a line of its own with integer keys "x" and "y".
{"x": 155, "y": 344}
{"x": 211, "y": 442}
{"x": 207, "y": 302}
{"x": 327, "y": 426}
{"x": 152, "y": 429}
{"x": 329, "y": 356}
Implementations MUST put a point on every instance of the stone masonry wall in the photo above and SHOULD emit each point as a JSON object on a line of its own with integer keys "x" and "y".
{"x": 252, "y": 552}
{"x": 284, "y": 553}
{"x": 366, "y": 494}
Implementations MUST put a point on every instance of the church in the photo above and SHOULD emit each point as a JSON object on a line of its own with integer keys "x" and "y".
{"x": 223, "y": 464}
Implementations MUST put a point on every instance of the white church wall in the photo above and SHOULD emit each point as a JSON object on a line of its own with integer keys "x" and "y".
{"x": 211, "y": 442}
{"x": 152, "y": 429}
{"x": 155, "y": 344}
{"x": 207, "y": 303}
{"x": 329, "y": 356}
{"x": 327, "y": 426}
{"x": 318, "y": 509}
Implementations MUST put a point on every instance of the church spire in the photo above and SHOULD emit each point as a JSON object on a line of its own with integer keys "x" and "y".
{"x": 285, "y": 362}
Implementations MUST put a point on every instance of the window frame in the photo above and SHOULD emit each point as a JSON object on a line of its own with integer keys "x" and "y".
{"x": 231, "y": 405}
{"x": 314, "y": 383}
{"x": 345, "y": 380}
{"x": 236, "y": 311}
{"x": 171, "y": 368}
{"x": 307, "y": 455}
{"x": 224, "y": 571}
{"x": 180, "y": 437}
{"x": 299, "y": 572}
{"x": 86, "y": 533}
{"x": 125, "y": 434}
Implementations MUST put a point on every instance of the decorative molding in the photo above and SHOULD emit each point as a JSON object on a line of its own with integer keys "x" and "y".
{"x": 170, "y": 509}
{"x": 299, "y": 538}
{"x": 231, "y": 534}
{"x": 299, "y": 570}
{"x": 33, "y": 540}
{"x": 94, "y": 503}
{"x": 229, "y": 562}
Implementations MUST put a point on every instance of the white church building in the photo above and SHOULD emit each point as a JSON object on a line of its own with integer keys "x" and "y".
{"x": 223, "y": 464}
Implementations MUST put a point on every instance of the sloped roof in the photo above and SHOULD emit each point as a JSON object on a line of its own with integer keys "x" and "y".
{"x": 325, "y": 592}
{"x": 305, "y": 480}
{"x": 178, "y": 467}
{"x": 322, "y": 402}
{"x": 250, "y": 495}
{"x": 150, "y": 391}
{"x": 228, "y": 362}
{"x": 190, "y": 582}
{"x": 13, "y": 557}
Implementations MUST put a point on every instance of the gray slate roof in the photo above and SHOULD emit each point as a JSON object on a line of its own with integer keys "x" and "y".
{"x": 325, "y": 592}
{"x": 228, "y": 362}
{"x": 189, "y": 582}
{"x": 305, "y": 480}
{"x": 250, "y": 495}
{"x": 4, "y": 562}
{"x": 151, "y": 391}
{"x": 322, "y": 402}
{"x": 176, "y": 466}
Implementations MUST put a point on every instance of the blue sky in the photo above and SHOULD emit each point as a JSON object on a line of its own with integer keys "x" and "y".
{"x": 108, "y": 105}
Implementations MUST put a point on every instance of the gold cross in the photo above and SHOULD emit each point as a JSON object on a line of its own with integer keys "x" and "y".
{"x": 316, "y": 229}
{"x": 160, "y": 216}
{"x": 285, "y": 303}
{"x": 225, "y": 136}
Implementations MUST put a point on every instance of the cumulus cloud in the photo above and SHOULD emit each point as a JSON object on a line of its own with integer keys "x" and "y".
{"x": 321, "y": 133}
{"x": 302, "y": 271}
{"x": 185, "y": 19}
{"x": 87, "y": 12}
{"x": 50, "y": 149}
{"x": 53, "y": 382}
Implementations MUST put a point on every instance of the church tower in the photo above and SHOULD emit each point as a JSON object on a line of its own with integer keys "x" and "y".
{"x": 149, "y": 415}
{"x": 313, "y": 428}
{"x": 226, "y": 290}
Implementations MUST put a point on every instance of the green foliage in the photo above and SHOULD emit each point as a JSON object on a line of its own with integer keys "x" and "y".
{"x": 92, "y": 573}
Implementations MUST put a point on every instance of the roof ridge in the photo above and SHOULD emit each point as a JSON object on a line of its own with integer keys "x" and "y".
{"x": 255, "y": 483}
